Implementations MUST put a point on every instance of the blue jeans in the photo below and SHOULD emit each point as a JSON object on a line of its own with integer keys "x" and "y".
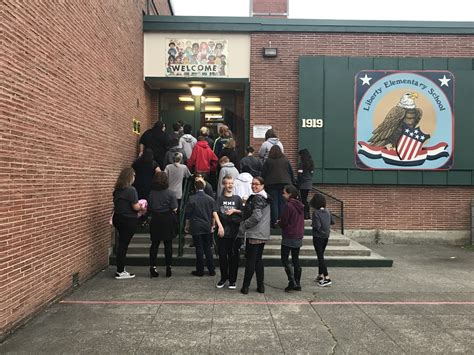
{"x": 277, "y": 203}
{"x": 202, "y": 245}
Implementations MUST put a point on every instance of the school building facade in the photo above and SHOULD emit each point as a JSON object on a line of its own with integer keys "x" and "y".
{"x": 78, "y": 78}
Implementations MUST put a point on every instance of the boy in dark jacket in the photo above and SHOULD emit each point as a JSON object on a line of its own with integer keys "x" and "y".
{"x": 201, "y": 216}
{"x": 292, "y": 224}
{"x": 229, "y": 209}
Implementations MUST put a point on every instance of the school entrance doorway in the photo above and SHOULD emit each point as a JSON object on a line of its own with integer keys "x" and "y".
{"x": 221, "y": 102}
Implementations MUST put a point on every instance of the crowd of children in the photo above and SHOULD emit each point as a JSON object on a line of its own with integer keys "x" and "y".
{"x": 251, "y": 195}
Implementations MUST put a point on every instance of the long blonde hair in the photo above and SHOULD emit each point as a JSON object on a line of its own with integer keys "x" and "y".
{"x": 125, "y": 178}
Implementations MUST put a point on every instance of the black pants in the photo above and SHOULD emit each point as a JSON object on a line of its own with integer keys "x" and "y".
{"x": 155, "y": 245}
{"x": 304, "y": 199}
{"x": 295, "y": 256}
{"x": 202, "y": 245}
{"x": 277, "y": 202}
{"x": 126, "y": 227}
{"x": 320, "y": 246}
{"x": 254, "y": 263}
{"x": 229, "y": 256}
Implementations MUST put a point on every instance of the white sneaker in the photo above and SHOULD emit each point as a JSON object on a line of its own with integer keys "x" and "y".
{"x": 124, "y": 275}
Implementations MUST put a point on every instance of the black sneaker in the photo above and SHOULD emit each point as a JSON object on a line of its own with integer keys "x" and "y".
{"x": 325, "y": 282}
{"x": 318, "y": 279}
{"x": 221, "y": 283}
{"x": 212, "y": 273}
{"x": 195, "y": 273}
{"x": 232, "y": 285}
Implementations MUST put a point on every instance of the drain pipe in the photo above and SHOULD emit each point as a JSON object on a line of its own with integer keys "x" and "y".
{"x": 472, "y": 222}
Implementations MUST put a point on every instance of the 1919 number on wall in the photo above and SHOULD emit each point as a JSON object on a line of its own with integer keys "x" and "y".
{"x": 312, "y": 122}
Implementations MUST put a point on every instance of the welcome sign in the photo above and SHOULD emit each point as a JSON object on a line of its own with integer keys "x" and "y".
{"x": 204, "y": 57}
{"x": 404, "y": 120}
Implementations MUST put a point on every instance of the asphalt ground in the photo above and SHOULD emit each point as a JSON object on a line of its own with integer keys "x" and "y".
{"x": 423, "y": 304}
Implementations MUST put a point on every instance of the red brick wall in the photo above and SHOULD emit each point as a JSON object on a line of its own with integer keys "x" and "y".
{"x": 163, "y": 7}
{"x": 270, "y": 7}
{"x": 274, "y": 100}
{"x": 72, "y": 81}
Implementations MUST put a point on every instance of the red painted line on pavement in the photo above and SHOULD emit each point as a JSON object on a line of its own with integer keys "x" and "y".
{"x": 183, "y": 302}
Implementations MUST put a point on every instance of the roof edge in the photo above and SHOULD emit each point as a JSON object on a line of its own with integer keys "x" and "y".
{"x": 254, "y": 24}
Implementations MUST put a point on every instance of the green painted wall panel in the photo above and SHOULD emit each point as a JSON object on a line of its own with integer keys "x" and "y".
{"x": 338, "y": 117}
{"x": 410, "y": 177}
{"x": 464, "y": 120}
{"x": 360, "y": 63}
{"x": 459, "y": 178}
{"x": 335, "y": 176}
{"x": 385, "y": 177}
{"x": 435, "y": 63}
{"x": 460, "y": 64}
{"x": 410, "y": 63}
{"x": 383, "y": 63}
{"x": 311, "y": 105}
{"x": 435, "y": 177}
{"x": 360, "y": 176}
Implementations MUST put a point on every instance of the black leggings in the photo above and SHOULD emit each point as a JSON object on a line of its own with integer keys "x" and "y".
{"x": 304, "y": 199}
{"x": 126, "y": 227}
{"x": 154, "y": 252}
{"x": 295, "y": 256}
{"x": 254, "y": 263}
{"x": 320, "y": 246}
{"x": 229, "y": 256}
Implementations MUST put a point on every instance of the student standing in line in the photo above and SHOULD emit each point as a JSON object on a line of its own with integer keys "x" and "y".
{"x": 305, "y": 178}
{"x": 175, "y": 148}
{"x": 202, "y": 159}
{"x": 243, "y": 184}
{"x": 253, "y": 164}
{"x": 201, "y": 216}
{"x": 204, "y": 132}
{"x": 224, "y": 135}
{"x": 144, "y": 167}
{"x": 277, "y": 173}
{"x": 163, "y": 206}
{"x": 255, "y": 228}
{"x": 176, "y": 173}
{"x": 187, "y": 141}
{"x": 292, "y": 224}
{"x": 227, "y": 168}
{"x": 230, "y": 152}
{"x": 229, "y": 209}
{"x": 125, "y": 218}
{"x": 322, "y": 221}
{"x": 271, "y": 140}
{"x": 157, "y": 140}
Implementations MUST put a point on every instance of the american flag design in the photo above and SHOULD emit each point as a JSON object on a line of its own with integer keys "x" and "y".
{"x": 410, "y": 143}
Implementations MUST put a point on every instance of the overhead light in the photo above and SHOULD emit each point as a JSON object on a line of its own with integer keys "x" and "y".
{"x": 196, "y": 90}
{"x": 212, "y": 99}
{"x": 212, "y": 108}
{"x": 189, "y": 108}
{"x": 269, "y": 52}
{"x": 186, "y": 99}
{"x": 214, "y": 116}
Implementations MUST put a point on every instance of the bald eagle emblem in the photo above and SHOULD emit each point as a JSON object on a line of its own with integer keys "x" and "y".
{"x": 404, "y": 114}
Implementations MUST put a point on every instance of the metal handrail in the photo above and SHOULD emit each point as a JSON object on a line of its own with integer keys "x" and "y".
{"x": 182, "y": 214}
{"x": 340, "y": 215}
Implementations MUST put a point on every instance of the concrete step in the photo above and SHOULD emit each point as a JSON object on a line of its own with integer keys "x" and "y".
{"x": 335, "y": 239}
{"x": 374, "y": 260}
{"x": 305, "y": 250}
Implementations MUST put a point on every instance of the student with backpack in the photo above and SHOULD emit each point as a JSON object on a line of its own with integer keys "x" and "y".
{"x": 321, "y": 222}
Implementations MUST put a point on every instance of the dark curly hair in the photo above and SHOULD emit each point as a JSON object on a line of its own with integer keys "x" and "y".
{"x": 318, "y": 201}
{"x": 275, "y": 152}
{"x": 306, "y": 159}
{"x": 160, "y": 181}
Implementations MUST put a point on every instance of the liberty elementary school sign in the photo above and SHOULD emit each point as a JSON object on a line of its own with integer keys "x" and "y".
{"x": 404, "y": 120}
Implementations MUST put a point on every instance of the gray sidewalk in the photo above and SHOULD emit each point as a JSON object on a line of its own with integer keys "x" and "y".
{"x": 423, "y": 304}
